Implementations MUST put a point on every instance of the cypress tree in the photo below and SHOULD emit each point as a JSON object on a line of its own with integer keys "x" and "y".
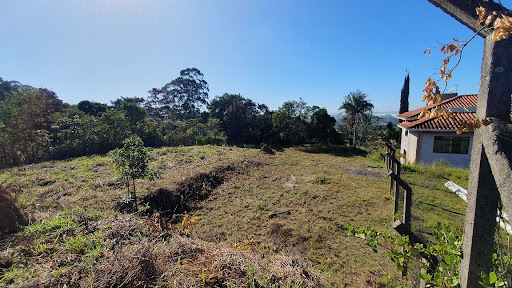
{"x": 404, "y": 96}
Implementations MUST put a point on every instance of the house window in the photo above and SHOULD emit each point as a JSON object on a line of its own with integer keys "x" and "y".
{"x": 445, "y": 144}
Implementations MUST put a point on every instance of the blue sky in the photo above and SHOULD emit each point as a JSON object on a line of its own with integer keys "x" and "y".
{"x": 267, "y": 50}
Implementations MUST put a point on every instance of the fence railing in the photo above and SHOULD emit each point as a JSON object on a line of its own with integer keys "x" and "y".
{"x": 402, "y": 224}
{"x": 395, "y": 182}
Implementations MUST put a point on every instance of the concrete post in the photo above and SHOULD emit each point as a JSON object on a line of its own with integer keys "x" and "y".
{"x": 483, "y": 196}
{"x": 491, "y": 158}
{"x": 480, "y": 221}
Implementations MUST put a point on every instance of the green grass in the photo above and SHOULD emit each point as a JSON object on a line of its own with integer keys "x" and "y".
{"x": 322, "y": 192}
{"x": 16, "y": 274}
{"x": 83, "y": 244}
{"x": 376, "y": 156}
{"x": 61, "y": 221}
{"x": 432, "y": 201}
{"x": 39, "y": 249}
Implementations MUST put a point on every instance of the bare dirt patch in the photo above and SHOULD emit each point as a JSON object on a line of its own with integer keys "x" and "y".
{"x": 377, "y": 173}
{"x": 291, "y": 182}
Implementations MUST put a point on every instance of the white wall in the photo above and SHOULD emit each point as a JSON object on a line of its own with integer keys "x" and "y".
{"x": 426, "y": 148}
{"x": 413, "y": 143}
{"x": 409, "y": 144}
{"x": 403, "y": 145}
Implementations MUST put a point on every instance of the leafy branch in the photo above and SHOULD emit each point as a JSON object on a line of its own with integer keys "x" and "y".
{"x": 442, "y": 259}
{"x": 501, "y": 24}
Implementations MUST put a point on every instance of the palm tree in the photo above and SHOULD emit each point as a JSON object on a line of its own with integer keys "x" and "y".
{"x": 356, "y": 108}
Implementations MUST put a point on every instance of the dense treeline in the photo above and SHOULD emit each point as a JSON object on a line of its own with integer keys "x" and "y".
{"x": 35, "y": 125}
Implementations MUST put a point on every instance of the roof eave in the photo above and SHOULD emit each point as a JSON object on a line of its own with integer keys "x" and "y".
{"x": 435, "y": 130}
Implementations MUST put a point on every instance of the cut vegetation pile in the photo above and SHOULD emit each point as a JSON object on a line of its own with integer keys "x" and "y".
{"x": 248, "y": 219}
{"x": 179, "y": 199}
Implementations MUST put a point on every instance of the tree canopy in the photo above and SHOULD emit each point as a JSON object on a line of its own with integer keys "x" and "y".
{"x": 25, "y": 120}
{"x": 91, "y": 107}
{"x": 36, "y": 126}
{"x": 243, "y": 120}
{"x": 322, "y": 128}
{"x": 183, "y": 96}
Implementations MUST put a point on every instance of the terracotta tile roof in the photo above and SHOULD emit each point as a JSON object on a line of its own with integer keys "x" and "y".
{"x": 463, "y": 101}
{"x": 454, "y": 102}
{"x": 440, "y": 124}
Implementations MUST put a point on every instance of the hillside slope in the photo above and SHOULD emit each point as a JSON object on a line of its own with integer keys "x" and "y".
{"x": 267, "y": 219}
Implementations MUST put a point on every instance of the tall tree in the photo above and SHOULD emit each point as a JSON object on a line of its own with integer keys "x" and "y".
{"x": 322, "y": 127}
{"x": 132, "y": 109}
{"x": 7, "y": 87}
{"x": 183, "y": 96}
{"x": 242, "y": 119}
{"x": 118, "y": 103}
{"x": 290, "y": 122}
{"x": 404, "y": 96}
{"x": 25, "y": 120}
{"x": 356, "y": 108}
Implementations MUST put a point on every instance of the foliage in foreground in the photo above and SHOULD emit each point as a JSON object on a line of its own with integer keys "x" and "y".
{"x": 443, "y": 257}
{"x": 440, "y": 262}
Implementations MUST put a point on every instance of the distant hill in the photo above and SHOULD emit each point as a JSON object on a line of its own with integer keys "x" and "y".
{"x": 388, "y": 118}
{"x": 384, "y": 117}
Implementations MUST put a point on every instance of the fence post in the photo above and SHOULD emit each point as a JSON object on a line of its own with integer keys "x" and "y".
{"x": 407, "y": 207}
{"x": 389, "y": 164}
{"x": 397, "y": 186}
{"x": 388, "y": 161}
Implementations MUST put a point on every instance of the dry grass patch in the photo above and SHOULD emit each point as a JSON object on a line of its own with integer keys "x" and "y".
{"x": 264, "y": 220}
{"x": 77, "y": 239}
{"x": 298, "y": 203}
{"x": 126, "y": 251}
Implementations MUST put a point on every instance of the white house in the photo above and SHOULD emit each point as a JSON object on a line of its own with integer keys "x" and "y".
{"x": 426, "y": 140}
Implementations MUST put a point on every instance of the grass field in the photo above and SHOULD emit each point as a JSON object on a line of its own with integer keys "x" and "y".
{"x": 262, "y": 220}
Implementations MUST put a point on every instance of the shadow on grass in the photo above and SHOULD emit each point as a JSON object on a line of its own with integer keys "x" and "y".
{"x": 442, "y": 208}
{"x": 335, "y": 150}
